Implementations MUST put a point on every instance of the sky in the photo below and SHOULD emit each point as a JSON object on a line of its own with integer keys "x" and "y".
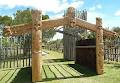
{"x": 108, "y": 10}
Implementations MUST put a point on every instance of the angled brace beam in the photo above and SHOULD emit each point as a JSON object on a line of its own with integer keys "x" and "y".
{"x": 83, "y": 24}
{"x": 69, "y": 20}
{"x": 27, "y": 28}
{"x": 92, "y": 27}
{"x": 17, "y": 29}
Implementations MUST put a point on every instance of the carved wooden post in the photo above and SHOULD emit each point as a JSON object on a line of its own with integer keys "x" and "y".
{"x": 71, "y": 16}
{"x": 99, "y": 47}
{"x": 36, "y": 46}
{"x": 68, "y": 52}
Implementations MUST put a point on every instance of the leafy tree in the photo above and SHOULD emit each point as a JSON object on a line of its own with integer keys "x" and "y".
{"x": 5, "y": 20}
{"x": 56, "y": 45}
{"x": 116, "y": 29}
{"x": 91, "y": 35}
{"x": 24, "y": 16}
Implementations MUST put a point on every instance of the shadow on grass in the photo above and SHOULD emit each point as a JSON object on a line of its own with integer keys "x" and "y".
{"x": 83, "y": 70}
{"x": 113, "y": 64}
{"x": 117, "y": 65}
{"x": 23, "y": 76}
{"x": 56, "y": 60}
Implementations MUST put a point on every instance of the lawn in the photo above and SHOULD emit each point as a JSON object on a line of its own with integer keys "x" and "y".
{"x": 57, "y": 70}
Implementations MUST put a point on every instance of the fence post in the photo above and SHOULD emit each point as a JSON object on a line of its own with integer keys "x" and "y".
{"x": 36, "y": 46}
{"x": 68, "y": 51}
{"x": 99, "y": 47}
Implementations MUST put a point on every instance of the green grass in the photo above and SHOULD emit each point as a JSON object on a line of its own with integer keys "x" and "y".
{"x": 57, "y": 70}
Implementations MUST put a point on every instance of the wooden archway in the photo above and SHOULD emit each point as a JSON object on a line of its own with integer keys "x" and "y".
{"x": 36, "y": 29}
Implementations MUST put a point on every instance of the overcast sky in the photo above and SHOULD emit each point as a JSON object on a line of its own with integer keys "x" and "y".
{"x": 108, "y": 10}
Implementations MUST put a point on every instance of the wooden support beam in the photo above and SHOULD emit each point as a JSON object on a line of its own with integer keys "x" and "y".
{"x": 47, "y": 24}
{"x": 69, "y": 20}
{"x": 36, "y": 46}
{"x": 99, "y": 47}
{"x": 17, "y": 29}
{"x": 83, "y": 24}
{"x": 109, "y": 33}
{"x": 27, "y": 28}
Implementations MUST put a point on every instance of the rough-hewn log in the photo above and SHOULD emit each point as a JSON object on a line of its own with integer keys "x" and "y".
{"x": 27, "y": 28}
{"x": 92, "y": 27}
{"x": 17, "y": 29}
{"x": 83, "y": 24}
{"x": 46, "y": 24}
{"x": 36, "y": 46}
{"x": 109, "y": 33}
{"x": 99, "y": 47}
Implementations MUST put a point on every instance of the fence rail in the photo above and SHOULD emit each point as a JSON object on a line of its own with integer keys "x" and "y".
{"x": 15, "y": 51}
{"x": 112, "y": 49}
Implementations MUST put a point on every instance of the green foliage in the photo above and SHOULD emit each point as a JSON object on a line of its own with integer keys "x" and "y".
{"x": 24, "y": 16}
{"x": 47, "y": 35}
{"x": 91, "y": 35}
{"x": 45, "y": 17}
{"x": 56, "y": 45}
{"x": 116, "y": 29}
{"x": 5, "y": 42}
{"x": 5, "y": 20}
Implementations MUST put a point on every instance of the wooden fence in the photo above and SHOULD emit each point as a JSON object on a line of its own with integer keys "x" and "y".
{"x": 112, "y": 49}
{"x": 15, "y": 51}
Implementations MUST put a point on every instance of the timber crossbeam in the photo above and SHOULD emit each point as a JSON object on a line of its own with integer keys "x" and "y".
{"x": 47, "y": 24}
{"x": 27, "y": 28}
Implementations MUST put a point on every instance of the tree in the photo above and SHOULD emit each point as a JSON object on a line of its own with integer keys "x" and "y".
{"x": 24, "y": 16}
{"x": 91, "y": 35}
{"x": 5, "y": 20}
{"x": 116, "y": 29}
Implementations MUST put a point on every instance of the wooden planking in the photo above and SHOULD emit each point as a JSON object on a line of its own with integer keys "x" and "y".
{"x": 73, "y": 72}
{"x": 63, "y": 71}
{"x": 8, "y": 77}
{"x": 57, "y": 73}
{"x": 49, "y": 73}
{"x": 3, "y": 74}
